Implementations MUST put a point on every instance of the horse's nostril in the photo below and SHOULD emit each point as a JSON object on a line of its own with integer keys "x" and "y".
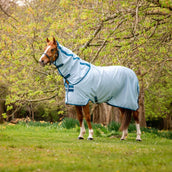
{"x": 42, "y": 61}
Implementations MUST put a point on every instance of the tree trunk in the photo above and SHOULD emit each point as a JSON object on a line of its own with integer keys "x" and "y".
{"x": 3, "y": 93}
{"x": 99, "y": 113}
{"x": 168, "y": 120}
{"x": 104, "y": 114}
{"x": 142, "y": 106}
{"x": 2, "y": 110}
{"x": 32, "y": 112}
{"x": 71, "y": 112}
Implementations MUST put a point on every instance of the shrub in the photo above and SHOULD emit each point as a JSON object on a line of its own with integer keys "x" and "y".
{"x": 113, "y": 126}
{"x": 69, "y": 123}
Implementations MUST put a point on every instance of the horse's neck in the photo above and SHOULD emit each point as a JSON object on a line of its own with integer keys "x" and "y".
{"x": 70, "y": 66}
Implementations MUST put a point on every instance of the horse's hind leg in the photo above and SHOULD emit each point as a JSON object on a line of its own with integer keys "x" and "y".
{"x": 126, "y": 117}
{"x": 124, "y": 131}
{"x": 124, "y": 134}
{"x": 88, "y": 119}
{"x": 80, "y": 118}
{"x": 136, "y": 118}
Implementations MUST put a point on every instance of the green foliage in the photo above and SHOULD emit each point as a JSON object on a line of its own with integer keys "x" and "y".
{"x": 159, "y": 133}
{"x": 113, "y": 126}
{"x": 159, "y": 106}
{"x": 143, "y": 45}
{"x": 38, "y": 124}
{"x": 4, "y": 115}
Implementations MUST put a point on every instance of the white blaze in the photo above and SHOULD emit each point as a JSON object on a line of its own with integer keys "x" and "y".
{"x": 44, "y": 52}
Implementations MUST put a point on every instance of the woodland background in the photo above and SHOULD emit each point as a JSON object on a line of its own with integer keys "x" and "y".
{"x": 133, "y": 33}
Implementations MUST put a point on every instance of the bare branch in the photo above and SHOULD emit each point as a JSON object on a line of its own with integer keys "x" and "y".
{"x": 8, "y": 15}
{"x": 153, "y": 30}
{"x": 94, "y": 35}
{"x": 157, "y": 63}
{"x": 105, "y": 41}
{"x": 99, "y": 29}
{"x": 159, "y": 4}
{"x": 157, "y": 13}
{"x": 41, "y": 72}
{"x": 137, "y": 17}
{"x": 43, "y": 99}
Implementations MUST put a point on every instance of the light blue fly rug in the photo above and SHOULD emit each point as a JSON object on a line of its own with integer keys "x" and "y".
{"x": 116, "y": 85}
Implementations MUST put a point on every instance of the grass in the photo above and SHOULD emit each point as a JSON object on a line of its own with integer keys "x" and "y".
{"x": 52, "y": 147}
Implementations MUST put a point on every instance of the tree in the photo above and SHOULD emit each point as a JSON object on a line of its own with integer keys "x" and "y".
{"x": 136, "y": 34}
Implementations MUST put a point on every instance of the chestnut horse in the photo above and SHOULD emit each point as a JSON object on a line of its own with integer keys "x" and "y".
{"x": 66, "y": 62}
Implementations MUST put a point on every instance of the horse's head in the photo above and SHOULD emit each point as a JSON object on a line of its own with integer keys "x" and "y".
{"x": 50, "y": 53}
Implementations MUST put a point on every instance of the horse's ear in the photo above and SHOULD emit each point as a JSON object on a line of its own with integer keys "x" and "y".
{"x": 48, "y": 40}
{"x": 54, "y": 41}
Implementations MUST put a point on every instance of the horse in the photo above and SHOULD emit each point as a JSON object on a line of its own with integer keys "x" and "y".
{"x": 116, "y": 85}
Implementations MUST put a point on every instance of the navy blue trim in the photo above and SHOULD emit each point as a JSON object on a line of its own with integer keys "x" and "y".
{"x": 69, "y": 90}
{"x": 68, "y": 86}
{"x": 60, "y": 65}
{"x": 61, "y": 73}
{"x": 76, "y": 58}
{"x": 138, "y": 90}
{"x": 65, "y": 52}
{"x": 96, "y": 100}
{"x": 67, "y": 76}
{"x": 83, "y": 76}
{"x": 120, "y": 107}
{"x": 104, "y": 102}
{"x": 78, "y": 104}
{"x": 87, "y": 64}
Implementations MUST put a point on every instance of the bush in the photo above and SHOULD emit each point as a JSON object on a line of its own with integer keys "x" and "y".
{"x": 132, "y": 128}
{"x": 69, "y": 123}
{"x": 113, "y": 126}
{"x": 160, "y": 133}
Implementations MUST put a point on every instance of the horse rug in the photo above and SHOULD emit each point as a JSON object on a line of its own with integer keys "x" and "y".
{"x": 116, "y": 85}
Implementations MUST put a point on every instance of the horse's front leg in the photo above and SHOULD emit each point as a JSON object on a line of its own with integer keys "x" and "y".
{"x": 81, "y": 121}
{"x": 88, "y": 119}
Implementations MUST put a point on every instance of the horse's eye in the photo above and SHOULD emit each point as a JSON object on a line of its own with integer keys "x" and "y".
{"x": 52, "y": 50}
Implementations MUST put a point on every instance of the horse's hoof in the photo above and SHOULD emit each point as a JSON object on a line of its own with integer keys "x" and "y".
{"x": 122, "y": 139}
{"x": 138, "y": 140}
{"x": 90, "y": 138}
{"x": 80, "y": 138}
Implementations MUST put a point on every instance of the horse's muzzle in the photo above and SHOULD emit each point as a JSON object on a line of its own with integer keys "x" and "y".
{"x": 42, "y": 63}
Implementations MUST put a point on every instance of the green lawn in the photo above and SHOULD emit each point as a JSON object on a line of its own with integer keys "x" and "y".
{"x": 53, "y": 148}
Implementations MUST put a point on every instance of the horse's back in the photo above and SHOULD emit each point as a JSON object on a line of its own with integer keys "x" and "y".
{"x": 117, "y": 85}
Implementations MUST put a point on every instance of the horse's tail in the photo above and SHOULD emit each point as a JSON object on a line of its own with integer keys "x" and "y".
{"x": 126, "y": 118}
